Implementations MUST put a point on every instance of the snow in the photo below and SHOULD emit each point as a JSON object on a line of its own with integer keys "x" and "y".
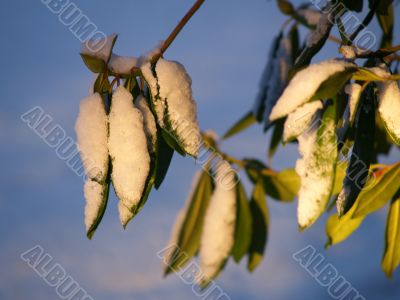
{"x": 91, "y": 47}
{"x": 354, "y": 91}
{"x": 348, "y": 52}
{"x": 304, "y": 85}
{"x": 125, "y": 215}
{"x": 128, "y": 149}
{"x": 311, "y": 16}
{"x": 146, "y": 57}
{"x": 122, "y": 64}
{"x": 95, "y": 200}
{"x": 219, "y": 225}
{"x": 149, "y": 123}
{"x": 316, "y": 170}
{"x": 174, "y": 104}
{"x": 92, "y": 132}
{"x": 389, "y": 105}
{"x": 280, "y": 71}
{"x": 300, "y": 120}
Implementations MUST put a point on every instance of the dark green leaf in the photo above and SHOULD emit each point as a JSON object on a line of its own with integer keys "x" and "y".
{"x": 284, "y": 186}
{"x": 361, "y": 156}
{"x": 276, "y": 137}
{"x": 94, "y": 64}
{"x": 378, "y": 190}
{"x": 386, "y": 23}
{"x": 172, "y": 142}
{"x": 260, "y": 216}
{"x": 285, "y": 7}
{"x": 382, "y": 7}
{"x": 189, "y": 236}
{"x": 391, "y": 258}
{"x": 354, "y": 5}
{"x": 164, "y": 158}
{"x": 246, "y": 121}
{"x": 243, "y": 224}
{"x": 330, "y": 87}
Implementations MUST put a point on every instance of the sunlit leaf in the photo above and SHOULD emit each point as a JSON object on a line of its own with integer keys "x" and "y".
{"x": 246, "y": 121}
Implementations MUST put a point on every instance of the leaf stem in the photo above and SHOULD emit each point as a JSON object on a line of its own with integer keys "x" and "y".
{"x": 177, "y": 29}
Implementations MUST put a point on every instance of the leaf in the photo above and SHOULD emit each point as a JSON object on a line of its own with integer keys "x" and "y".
{"x": 102, "y": 208}
{"x": 284, "y": 186}
{"x": 386, "y": 23}
{"x": 391, "y": 258}
{"x": 339, "y": 177}
{"x": 363, "y": 74}
{"x": 381, "y": 7}
{"x": 378, "y": 190}
{"x": 317, "y": 167}
{"x": 164, "y": 157}
{"x": 243, "y": 224}
{"x": 94, "y": 64}
{"x": 361, "y": 156}
{"x": 246, "y": 121}
{"x": 172, "y": 142}
{"x": 260, "y": 217}
{"x": 189, "y": 236}
{"x": 276, "y": 137}
{"x": 354, "y": 5}
{"x": 285, "y": 7}
{"x": 339, "y": 229}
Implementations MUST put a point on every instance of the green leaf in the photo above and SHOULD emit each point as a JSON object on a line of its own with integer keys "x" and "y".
{"x": 391, "y": 258}
{"x": 94, "y": 64}
{"x": 378, "y": 190}
{"x": 276, "y": 137}
{"x": 243, "y": 224}
{"x": 361, "y": 156}
{"x": 339, "y": 177}
{"x": 339, "y": 229}
{"x": 188, "y": 242}
{"x": 172, "y": 142}
{"x": 354, "y": 5}
{"x": 164, "y": 157}
{"x": 260, "y": 216}
{"x": 386, "y": 23}
{"x": 103, "y": 206}
{"x": 284, "y": 186}
{"x": 285, "y": 7}
{"x": 246, "y": 121}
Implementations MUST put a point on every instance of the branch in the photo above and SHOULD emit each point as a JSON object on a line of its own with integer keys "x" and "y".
{"x": 366, "y": 21}
{"x": 177, "y": 29}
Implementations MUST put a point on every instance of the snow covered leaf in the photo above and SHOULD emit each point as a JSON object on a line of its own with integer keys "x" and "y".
{"x": 300, "y": 120}
{"x": 128, "y": 149}
{"x": 94, "y": 64}
{"x": 378, "y": 190}
{"x": 308, "y": 17}
{"x": 173, "y": 104}
{"x": 218, "y": 234}
{"x": 122, "y": 65}
{"x": 339, "y": 229}
{"x": 318, "y": 81}
{"x": 260, "y": 217}
{"x": 260, "y": 102}
{"x": 92, "y": 133}
{"x": 354, "y": 91}
{"x": 389, "y": 108}
{"x": 360, "y": 160}
{"x": 96, "y": 195}
{"x": 243, "y": 224}
{"x": 316, "y": 168}
{"x": 188, "y": 228}
{"x": 245, "y": 122}
{"x": 391, "y": 258}
{"x": 100, "y": 49}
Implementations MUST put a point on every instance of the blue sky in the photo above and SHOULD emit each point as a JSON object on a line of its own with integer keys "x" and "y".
{"x": 224, "y": 49}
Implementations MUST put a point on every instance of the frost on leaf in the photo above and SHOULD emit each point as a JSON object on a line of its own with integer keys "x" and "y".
{"x": 176, "y": 110}
{"x": 306, "y": 83}
{"x": 128, "y": 149}
{"x": 92, "y": 133}
{"x": 316, "y": 168}
{"x": 219, "y": 225}
{"x": 300, "y": 120}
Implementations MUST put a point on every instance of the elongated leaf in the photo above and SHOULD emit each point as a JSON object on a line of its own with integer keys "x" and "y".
{"x": 172, "y": 142}
{"x": 189, "y": 235}
{"x": 94, "y": 64}
{"x": 260, "y": 216}
{"x": 164, "y": 157}
{"x": 391, "y": 258}
{"x": 284, "y": 186}
{"x": 360, "y": 160}
{"x": 276, "y": 137}
{"x": 285, "y": 7}
{"x": 246, "y": 121}
{"x": 378, "y": 190}
{"x": 243, "y": 224}
{"x": 386, "y": 23}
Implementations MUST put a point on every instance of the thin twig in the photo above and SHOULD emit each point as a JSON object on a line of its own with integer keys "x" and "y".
{"x": 177, "y": 29}
{"x": 368, "y": 18}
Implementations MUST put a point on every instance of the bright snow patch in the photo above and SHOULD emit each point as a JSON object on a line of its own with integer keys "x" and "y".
{"x": 122, "y": 64}
{"x": 125, "y": 214}
{"x": 316, "y": 169}
{"x": 300, "y": 120}
{"x": 219, "y": 225}
{"x": 354, "y": 91}
{"x": 100, "y": 48}
{"x": 149, "y": 123}
{"x": 95, "y": 201}
{"x": 128, "y": 149}
{"x": 174, "y": 104}
{"x": 92, "y": 132}
{"x": 304, "y": 85}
